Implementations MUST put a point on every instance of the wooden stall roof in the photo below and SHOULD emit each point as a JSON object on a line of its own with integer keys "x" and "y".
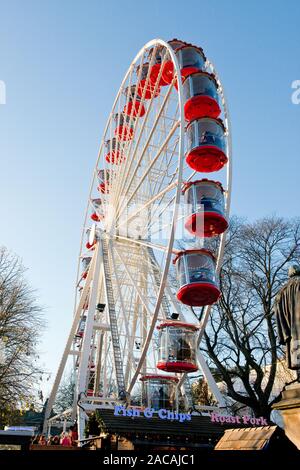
{"x": 246, "y": 438}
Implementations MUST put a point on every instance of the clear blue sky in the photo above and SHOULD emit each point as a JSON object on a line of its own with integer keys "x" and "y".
{"x": 62, "y": 62}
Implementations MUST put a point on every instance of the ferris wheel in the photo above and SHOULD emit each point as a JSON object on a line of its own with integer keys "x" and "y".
{"x": 145, "y": 272}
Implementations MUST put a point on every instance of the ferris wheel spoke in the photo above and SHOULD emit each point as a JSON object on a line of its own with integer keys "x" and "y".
{"x": 160, "y": 183}
{"x": 119, "y": 292}
{"x": 144, "y": 206}
{"x": 156, "y": 216}
{"x": 131, "y": 157}
{"x": 125, "y": 187}
{"x": 136, "y": 288}
{"x": 146, "y": 243}
{"x": 150, "y": 166}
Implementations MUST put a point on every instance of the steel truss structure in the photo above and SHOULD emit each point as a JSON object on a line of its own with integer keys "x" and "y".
{"x": 129, "y": 285}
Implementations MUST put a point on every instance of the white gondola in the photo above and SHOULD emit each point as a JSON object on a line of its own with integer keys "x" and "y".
{"x": 177, "y": 346}
{"x": 159, "y": 391}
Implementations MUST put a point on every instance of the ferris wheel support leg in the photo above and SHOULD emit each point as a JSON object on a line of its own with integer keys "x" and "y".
{"x": 68, "y": 346}
{"x": 74, "y": 407}
{"x": 129, "y": 365}
{"x": 81, "y": 422}
{"x": 99, "y": 362}
{"x": 87, "y": 341}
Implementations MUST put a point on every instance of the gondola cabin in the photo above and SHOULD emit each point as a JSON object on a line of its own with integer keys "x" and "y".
{"x": 159, "y": 62}
{"x": 177, "y": 347}
{"x": 97, "y": 215}
{"x": 114, "y": 154}
{"x": 103, "y": 188}
{"x": 168, "y": 67}
{"x": 191, "y": 59}
{"x": 91, "y": 246}
{"x": 85, "y": 266}
{"x": 103, "y": 177}
{"x": 81, "y": 327}
{"x": 160, "y": 391}
{"x": 124, "y": 127}
{"x": 91, "y": 238}
{"x": 146, "y": 88}
{"x": 205, "y": 204}
{"x": 196, "y": 272}
{"x": 201, "y": 99}
{"x": 206, "y": 145}
{"x": 134, "y": 106}
{"x": 176, "y": 44}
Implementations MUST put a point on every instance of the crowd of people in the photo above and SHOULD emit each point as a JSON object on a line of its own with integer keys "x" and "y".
{"x": 66, "y": 439}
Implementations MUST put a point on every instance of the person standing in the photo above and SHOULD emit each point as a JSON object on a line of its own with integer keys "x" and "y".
{"x": 66, "y": 440}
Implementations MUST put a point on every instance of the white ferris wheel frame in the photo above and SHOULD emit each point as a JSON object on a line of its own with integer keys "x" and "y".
{"x": 96, "y": 267}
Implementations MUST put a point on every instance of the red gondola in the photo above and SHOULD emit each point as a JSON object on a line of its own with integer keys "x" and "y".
{"x": 134, "y": 107}
{"x": 177, "y": 346}
{"x": 97, "y": 215}
{"x": 124, "y": 129}
{"x": 96, "y": 218}
{"x": 92, "y": 237}
{"x": 206, "y": 145}
{"x": 196, "y": 273}
{"x": 177, "y": 43}
{"x": 168, "y": 68}
{"x": 81, "y": 327}
{"x": 200, "y": 91}
{"x": 156, "y": 68}
{"x": 103, "y": 176}
{"x": 114, "y": 154}
{"x": 146, "y": 89}
{"x": 191, "y": 59}
{"x": 86, "y": 263}
{"x": 89, "y": 245}
{"x": 205, "y": 202}
{"x": 103, "y": 188}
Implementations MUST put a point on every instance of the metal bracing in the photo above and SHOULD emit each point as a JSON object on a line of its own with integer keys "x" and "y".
{"x": 157, "y": 274}
{"x": 128, "y": 287}
{"x": 109, "y": 294}
{"x": 86, "y": 353}
{"x": 187, "y": 394}
{"x": 70, "y": 340}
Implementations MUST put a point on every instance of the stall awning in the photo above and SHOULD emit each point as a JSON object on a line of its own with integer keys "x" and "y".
{"x": 247, "y": 438}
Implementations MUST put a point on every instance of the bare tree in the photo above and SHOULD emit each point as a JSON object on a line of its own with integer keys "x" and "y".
{"x": 240, "y": 339}
{"x": 20, "y": 326}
